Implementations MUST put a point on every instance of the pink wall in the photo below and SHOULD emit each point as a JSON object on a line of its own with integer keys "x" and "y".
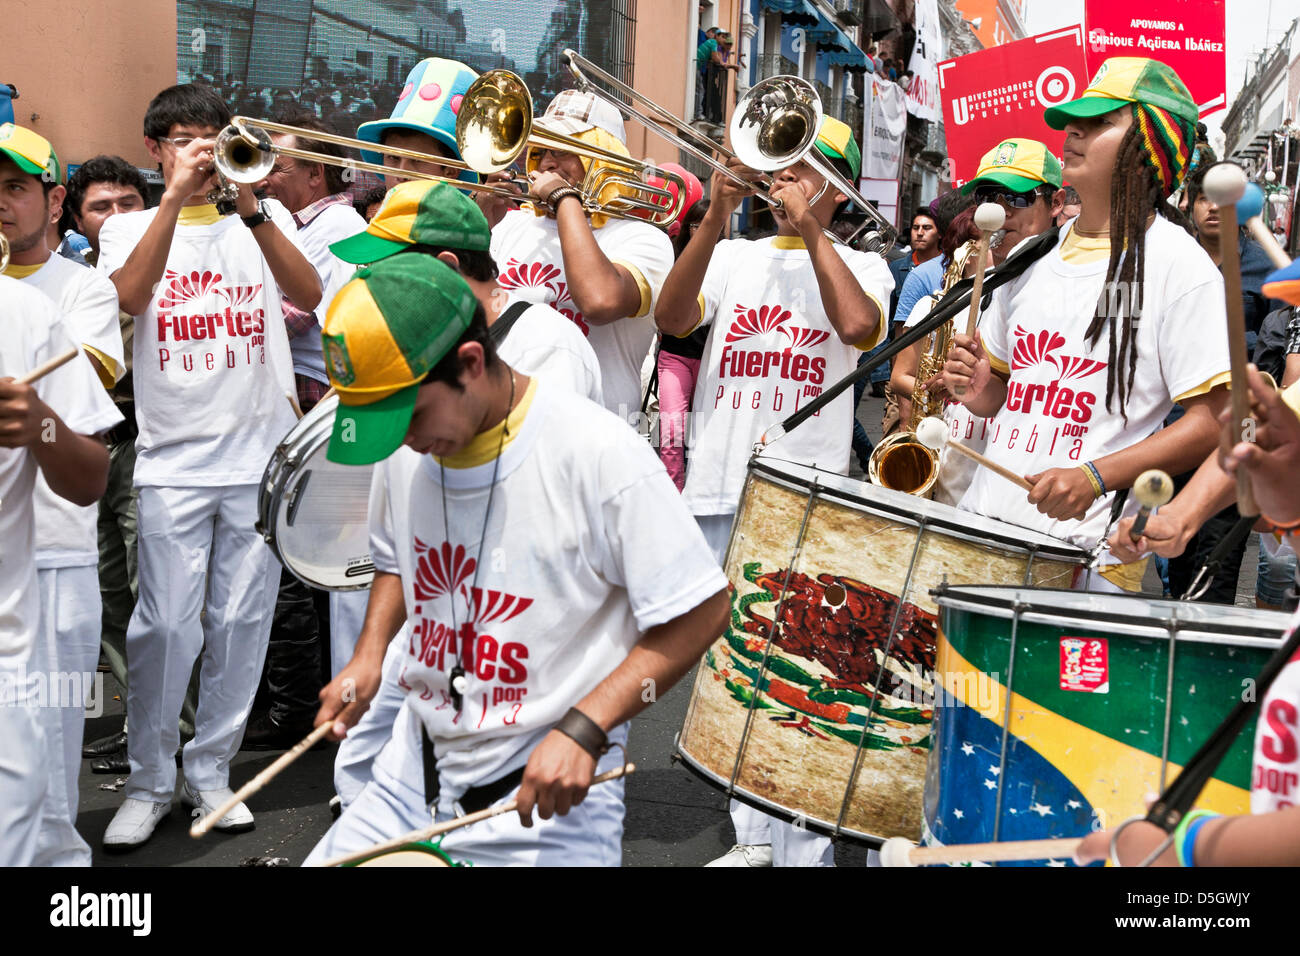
{"x": 87, "y": 73}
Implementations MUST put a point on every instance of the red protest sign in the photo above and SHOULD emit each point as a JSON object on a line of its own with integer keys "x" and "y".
{"x": 996, "y": 94}
{"x": 1187, "y": 35}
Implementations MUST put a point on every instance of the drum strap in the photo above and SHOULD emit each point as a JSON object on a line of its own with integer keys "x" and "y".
{"x": 1179, "y": 796}
{"x": 1226, "y": 546}
{"x": 475, "y": 798}
{"x": 499, "y": 329}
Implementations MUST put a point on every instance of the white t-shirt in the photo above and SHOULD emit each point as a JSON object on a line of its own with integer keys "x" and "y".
{"x": 770, "y": 350}
{"x": 31, "y": 333}
{"x": 66, "y": 533}
{"x": 955, "y": 469}
{"x": 1275, "y": 780}
{"x": 587, "y": 546}
{"x": 334, "y": 222}
{"x": 527, "y": 251}
{"x": 544, "y": 343}
{"x": 211, "y": 357}
{"x": 1055, "y": 413}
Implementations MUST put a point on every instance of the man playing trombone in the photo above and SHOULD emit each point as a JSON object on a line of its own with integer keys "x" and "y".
{"x": 788, "y": 315}
{"x": 602, "y": 272}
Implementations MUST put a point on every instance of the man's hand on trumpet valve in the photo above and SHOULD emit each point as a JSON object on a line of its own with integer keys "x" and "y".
{"x": 192, "y": 168}
{"x": 245, "y": 200}
{"x": 1272, "y": 457}
{"x": 495, "y": 207}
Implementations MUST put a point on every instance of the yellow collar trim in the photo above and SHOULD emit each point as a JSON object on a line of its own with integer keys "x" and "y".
{"x": 483, "y": 448}
{"x": 204, "y": 215}
{"x": 15, "y": 271}
{"x": 788, "y": 242}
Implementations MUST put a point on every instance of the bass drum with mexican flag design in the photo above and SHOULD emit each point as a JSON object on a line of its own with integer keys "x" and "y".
{"x": 826, "y": 721}
{"x": 1106, "y": 697}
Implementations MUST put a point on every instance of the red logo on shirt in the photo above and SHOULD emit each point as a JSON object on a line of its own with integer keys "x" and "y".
{"x": 548, "y": 279}
{"x": 445, "y": 569}
{"x": 760, "y": 363}
{"x": 1054, "y": 399}
{"x": 198, "y": 306}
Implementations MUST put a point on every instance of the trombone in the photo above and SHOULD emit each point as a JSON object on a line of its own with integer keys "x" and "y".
{"x": 775, "y": 125}
{"x": 493, "y": 129}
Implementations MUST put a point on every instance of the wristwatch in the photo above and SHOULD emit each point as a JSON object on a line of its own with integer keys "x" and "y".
{"x": 262, "y": 215}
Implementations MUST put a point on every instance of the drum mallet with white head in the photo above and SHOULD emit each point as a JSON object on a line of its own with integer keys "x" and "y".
{"x": 989, "y": 218}
{"x": 1153, "y": 489}
{"x": 900, "y": 851}
{"x": 1224, "y": 184}
{"x": 933, "y": 433}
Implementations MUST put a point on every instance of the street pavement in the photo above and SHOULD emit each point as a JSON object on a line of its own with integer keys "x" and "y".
{"x": 673, "y": 818}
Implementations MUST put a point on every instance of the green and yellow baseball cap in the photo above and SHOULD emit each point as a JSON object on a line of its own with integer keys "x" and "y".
{"x": 835, "y": 140}
{"x": 1128, "y": 79}
{"x": 418, "y": 211}
{"x": 1018, "y": 164}
{"x": 31, "y": 151}
{"x": 383, "y": 333}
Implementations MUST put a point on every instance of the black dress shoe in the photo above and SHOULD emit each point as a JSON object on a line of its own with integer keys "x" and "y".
{"x": 105, "y": 745}
{"x": 115, "y": 762}
{"x": 265, "y": 733}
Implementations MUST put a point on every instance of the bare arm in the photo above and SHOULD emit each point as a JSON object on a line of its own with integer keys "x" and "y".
{"x": 294, "y": 274}
{"x": 75, "y": 466}
{"x": 349, "y": 694}
{"x": 559, "y": 771}
{"x": 1266, "y": 839}
{"x": 902, "y": 380}
{"x": 603, "y": 291}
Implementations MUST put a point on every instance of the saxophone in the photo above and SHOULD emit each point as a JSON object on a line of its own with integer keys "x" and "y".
{"x": 900, "y": 461}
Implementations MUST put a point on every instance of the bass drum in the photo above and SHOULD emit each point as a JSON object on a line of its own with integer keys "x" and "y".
{"x": 825, "y": 719}
{"x": 413, "y": 854}
{"x": 314, "y": 512}
{"x": 1059, "y": 711}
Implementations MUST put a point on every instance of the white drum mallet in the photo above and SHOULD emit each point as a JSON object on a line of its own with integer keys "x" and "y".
{"x": 1153, "y": 489}
{"x": 989, "y": 218}
{"x": 933, "y": 433}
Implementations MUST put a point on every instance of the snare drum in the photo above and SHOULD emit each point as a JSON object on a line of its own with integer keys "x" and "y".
{"x": 829, "y": 725}
{"x": 314, "y": 512}
{"x": 1057, "y": 712}
{"x": 413, "y": 854}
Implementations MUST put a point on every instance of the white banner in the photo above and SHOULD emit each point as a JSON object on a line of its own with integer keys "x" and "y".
{"x": 884, "y": 193}
{"x": 884, "y": 124}
{"x": 923, "y": 94}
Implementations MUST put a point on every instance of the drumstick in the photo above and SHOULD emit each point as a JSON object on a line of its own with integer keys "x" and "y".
{"x": 38, "y": 373}
{"x": 933, "y": 433}
{"x": 1224, "y": 184}
{"x": 1153, "y": 489}
{"x": 293, "y": 403}
{"x": 1250, "y": 210}
{"x": 201, "y": 827}
{"x": 989, "y": 217}
{"x": 428, "y": 833}
{"x": 900, "y": 851}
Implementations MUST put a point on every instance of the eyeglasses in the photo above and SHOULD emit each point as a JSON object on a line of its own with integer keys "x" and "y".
{"x": 179, "y": 142}
{"x": 1007, "y": 197}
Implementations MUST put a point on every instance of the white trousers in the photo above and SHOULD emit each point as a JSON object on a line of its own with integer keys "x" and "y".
{"x": 791, "y": 845}
{"x": 347, "y": 614}
{"x": 23, "y": 782}
{"x": 1092, "y": 581}
{"x": 197, "y": 552}
{"x": 354, "y": 762}
{"x": 64, "y": 660}
{"x": 393, "y": 803}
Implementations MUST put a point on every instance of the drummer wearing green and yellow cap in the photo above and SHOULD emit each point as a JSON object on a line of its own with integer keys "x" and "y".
{"x": 1082, "y": 357}
{"x": 1022, "y": 176}
{"x": 508, "y": 529}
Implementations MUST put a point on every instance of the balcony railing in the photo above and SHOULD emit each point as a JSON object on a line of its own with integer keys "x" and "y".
{"x": 849, "y": 11}
{"x": 774, "y": 64}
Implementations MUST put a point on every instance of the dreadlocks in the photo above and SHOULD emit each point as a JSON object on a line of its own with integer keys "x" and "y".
{"x": 1138, "y": 190}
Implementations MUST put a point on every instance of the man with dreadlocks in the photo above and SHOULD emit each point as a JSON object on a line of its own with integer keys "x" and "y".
{"x": 1080, "y": 358}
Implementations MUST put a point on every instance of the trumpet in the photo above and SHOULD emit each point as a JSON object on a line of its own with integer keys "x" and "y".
{"x": 4, "y": 252}
{"x": 774, "y": 125}
{"x": 493, "y": 129}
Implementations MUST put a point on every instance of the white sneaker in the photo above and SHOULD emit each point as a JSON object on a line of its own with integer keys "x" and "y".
{"x": 203, "y": 802}
{"x": 742, "y": 855}
{"x": 134, "y": 823}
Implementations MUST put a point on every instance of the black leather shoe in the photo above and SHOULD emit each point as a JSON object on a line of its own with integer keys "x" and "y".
{"x": 264, "y": 733}
{"x": 105, "y": 745}
{"x": 115, "y": 762}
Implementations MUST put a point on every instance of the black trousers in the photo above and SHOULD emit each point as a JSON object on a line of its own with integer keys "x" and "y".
{"x": 1182, "y": 569}
{"x": 297, "y": 655}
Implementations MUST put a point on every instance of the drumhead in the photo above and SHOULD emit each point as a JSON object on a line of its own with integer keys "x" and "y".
{"x": 909, "y": 509}
{"x": 413, "y": 854}
{"x": 1132, "y": 614}
{"x": 314, "y": 512}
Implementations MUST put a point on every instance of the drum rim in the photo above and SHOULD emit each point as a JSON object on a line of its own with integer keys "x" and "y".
{"x": 1056, "y": 550}
{"x": 970, "y": 597}
{"x": 417, "y": 846}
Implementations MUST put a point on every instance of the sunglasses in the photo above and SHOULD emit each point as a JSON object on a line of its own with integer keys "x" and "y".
{"x": 1007, "y": 197}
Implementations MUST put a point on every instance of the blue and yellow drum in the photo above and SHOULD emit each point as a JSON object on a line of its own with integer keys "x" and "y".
{"x": 1057, "y": 712}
